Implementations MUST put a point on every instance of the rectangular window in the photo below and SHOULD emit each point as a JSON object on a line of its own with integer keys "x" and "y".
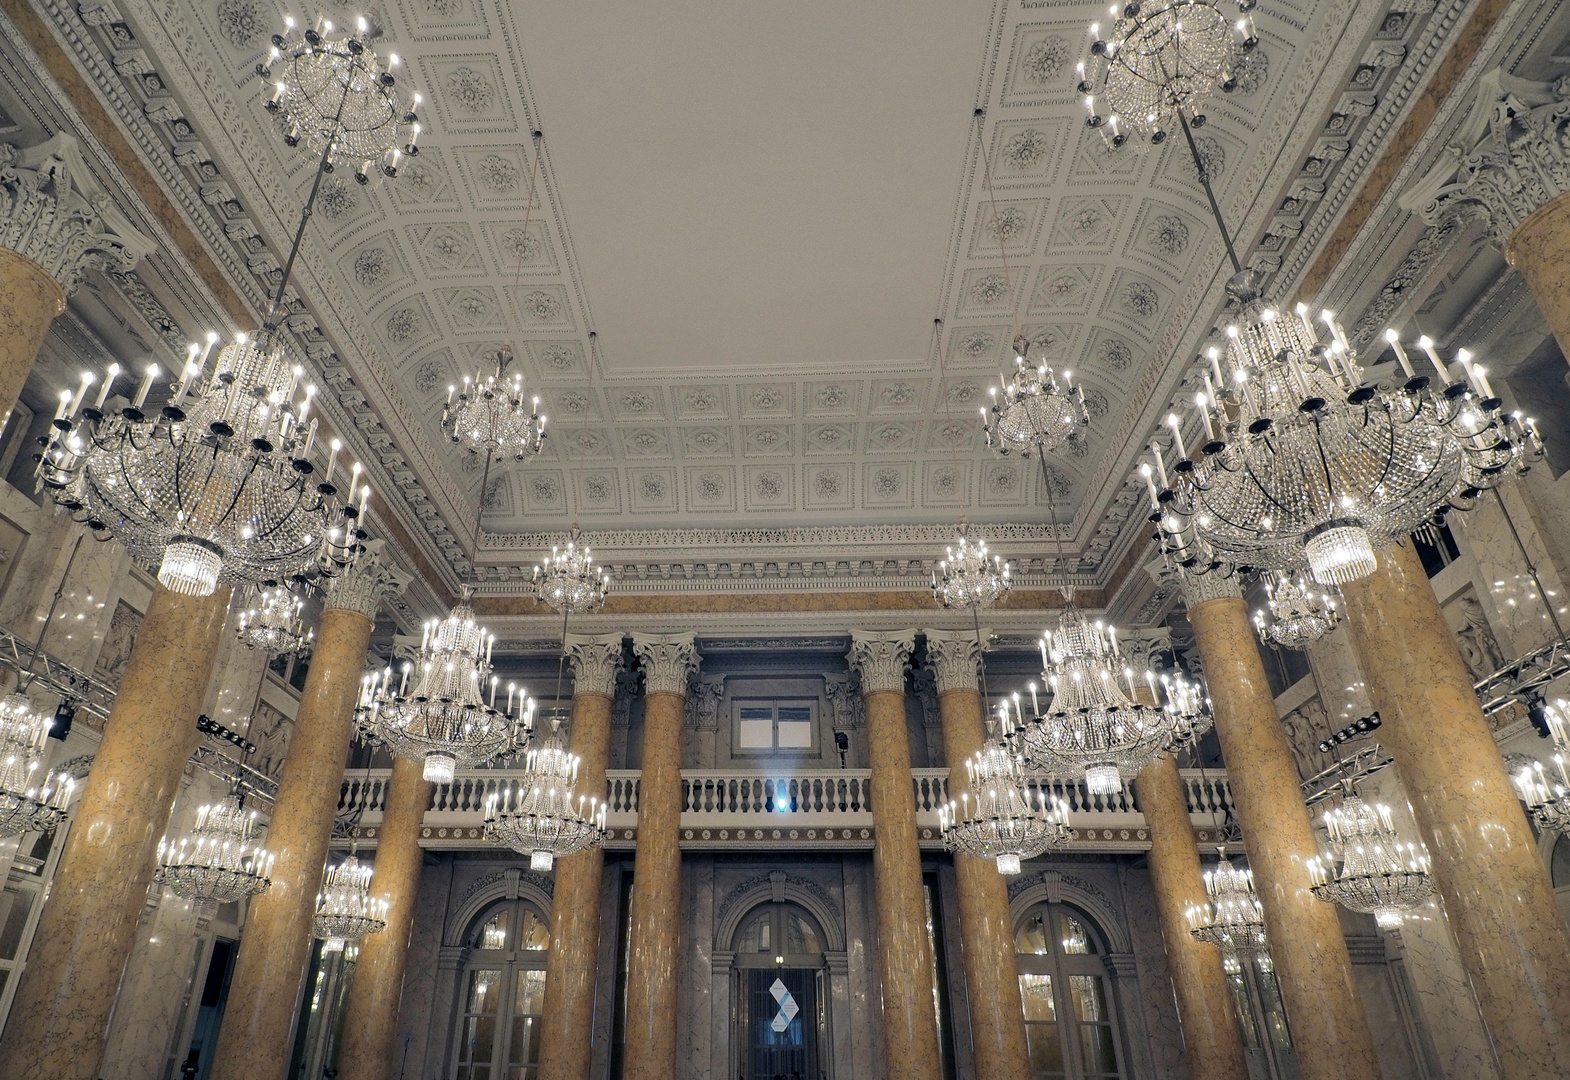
{"x": 768, "y": 727}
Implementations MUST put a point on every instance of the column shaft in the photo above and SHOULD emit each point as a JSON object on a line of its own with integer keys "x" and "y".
{"x": 654, "y": 933}
{"x": 30, "y": 298}
{"x": 1329, "y": 1026}
{"x": 276, "y": 947}
{"x": 1512, "y": 938}
{"x": 1210, "y": 1024}
{"x": 997, "y": 1015}
{"x": 1537, "y": 251}
{"x": 910, "y": 1029}
{"x": 376, "y": 987}
{"x": 571, "y": 967}
{"x": 60, "y": 1017}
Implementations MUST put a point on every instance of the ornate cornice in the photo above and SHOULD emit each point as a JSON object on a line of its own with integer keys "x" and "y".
{"x": 54, "y": 213}
{"x": 881, "y": 659}
{"x": 366, "y": 585}
{"x": 955, "y": 658}
{"x": 596, "y": 659}
{"x": 668, "y": 661}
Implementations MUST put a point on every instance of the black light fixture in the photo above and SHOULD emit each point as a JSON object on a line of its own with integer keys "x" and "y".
{"x": 65, "y": 714}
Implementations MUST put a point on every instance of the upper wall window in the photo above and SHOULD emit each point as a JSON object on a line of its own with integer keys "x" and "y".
{"x": 774, "y": 726}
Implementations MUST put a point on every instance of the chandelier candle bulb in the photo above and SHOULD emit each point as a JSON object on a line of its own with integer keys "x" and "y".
{"x": 1426, "y": 343}
{"x": 1177, "y": 436}
{"x": 1401, "y": 357}
{"x": 103, "y": 391}
{"x": 147, "y": 384}
{"x": 1161, "y": 465}
{"x": 1200, "y": 407}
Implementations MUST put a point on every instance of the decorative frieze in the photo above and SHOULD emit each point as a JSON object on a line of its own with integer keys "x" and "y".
{"x": 596, "y": 660}
{"x": 668, "y": 661}
{"x": 881, "y": 659}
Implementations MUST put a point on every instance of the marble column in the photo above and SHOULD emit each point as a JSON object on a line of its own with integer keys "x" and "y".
{"x": 910, "y": 1024}
{"x": 1329, "y": 1026}
{"x": 254, "y": 1043}
{"x": 87, "y": 929}
{"x": 1513, "y": 941}
{"x": 56, "y": 225}
{"x": 1211, "y": 1035}
{"x": 997, "y": 1016}
{"x": 571, "y": 966}
{"x": 376, "y": 987}
{"x": 654, "y": 930}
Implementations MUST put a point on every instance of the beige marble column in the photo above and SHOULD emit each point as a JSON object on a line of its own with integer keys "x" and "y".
{"x": 910, "y": 1024}
{"x": 571, "y": 966}
{"x": 1329, "y": 1026}
{"x": 1211, "y": 1035}
{"x": 1537, "y": 249}
{"x": 654, "y": 930}
{"x": 87, "y": 928}
{"x": 275, "y": 949}
{"x": 997, "y": 1016}
{"x": 376, "y": 986}
{"x": 1513, "y": 941}
{"x": 56, "y": 225}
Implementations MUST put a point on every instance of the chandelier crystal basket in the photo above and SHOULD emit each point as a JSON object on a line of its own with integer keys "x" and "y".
{"x": 345, "y": 910}
{"x": 969, "y": 576}
{"x": 1368, "y": 868}
{"x": 569, "y": 581}
{"x": 1305, "y": 462}
{"x": 1232, "y": 919}
{"x": 336, "y": 94}
{"x": 996, "y": 818}
{"x": 273, "y": 621}
{"x": 491, "y": 415}
{"x": 1299, "y": 613}
{"x": 1033, "y": 411}
{"x": 221, "y": 860}
{"x": 1094, "y": 723}
{"x": 541, "y": 814}
{"x": 438, "y": 713}
{"x": 1155, "y": 61}
{"x": 33, "y": 798}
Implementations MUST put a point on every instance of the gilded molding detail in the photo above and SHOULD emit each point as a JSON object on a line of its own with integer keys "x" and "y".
{"x": 365, "y": 585}
{"x": 668, "y": 660}
{"x": 955, "y": 657}
{"x": 881, "y": 659}
{"x": 595, "y": 661}
{"x": 54, "y": 213}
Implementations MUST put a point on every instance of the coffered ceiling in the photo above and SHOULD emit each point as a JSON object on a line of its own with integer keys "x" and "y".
{"x": 761, "y": 210}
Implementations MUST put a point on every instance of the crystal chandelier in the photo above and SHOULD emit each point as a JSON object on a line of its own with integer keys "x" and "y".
{"x": 1299, "y": 615}
{"x": 345, "y": 910}
{"x": 336, "y": 94}
{"x": 1094, "y": 723}
{"x": 492, "y": 416}
{"x": 569, "y": 581}
{"x": 996, "y": 819}
{"x": 1546, "y": 795}
{"x": 541, "y": 813}
{"x": 1369, "y": 869}
{"x": 274, "y": 622}
{"x": 221, "y": 860}
{"x": 438, "y": 712}
{"x": 1305, "y": 462}
{"x": 1033, "y": 410}
{"x": 32, "y": 797}
{"x": 969, "y": 577}
{"x": 1232, "y": 919}
{"x": 1156, "y": 61}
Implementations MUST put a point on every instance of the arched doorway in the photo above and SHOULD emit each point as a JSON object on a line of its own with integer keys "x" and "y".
{"x": 1071, "y": 1021}
{"x": 781, "y": 990}
{"x": 502, "y": 993}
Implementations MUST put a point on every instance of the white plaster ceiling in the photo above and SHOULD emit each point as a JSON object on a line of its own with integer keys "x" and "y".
{"x": 761, "y": 209}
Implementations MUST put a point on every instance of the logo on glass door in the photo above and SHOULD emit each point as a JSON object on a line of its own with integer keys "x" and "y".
{"x": 788, "y": 1006}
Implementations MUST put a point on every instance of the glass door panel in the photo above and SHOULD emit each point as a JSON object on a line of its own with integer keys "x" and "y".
{"x": 478, "y": 1035}
{"x": 523, "y": 1045}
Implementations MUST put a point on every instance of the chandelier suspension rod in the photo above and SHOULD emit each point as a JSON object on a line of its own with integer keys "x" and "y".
{"x": 479, "y": 512}
{"x": 1204, "y": 180}
{"x": 24, "y": 678}
{"x": 1531, "y": 566}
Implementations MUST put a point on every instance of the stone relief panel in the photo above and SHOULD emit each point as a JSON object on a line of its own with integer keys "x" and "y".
{"x": 121, "y": 636}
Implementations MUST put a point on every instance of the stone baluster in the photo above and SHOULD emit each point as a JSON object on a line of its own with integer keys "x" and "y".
{"x": 654, "y": 930}
{"x": 1329, "y": 1026}
{"x": 276, "y": 947}
{"x": 910, "y": 1029}
{"x": 60, "y": 1017}
{"x": 571, "y": 967}
{"x": 56, "y": 226}
{"x": 997, "y": 1017}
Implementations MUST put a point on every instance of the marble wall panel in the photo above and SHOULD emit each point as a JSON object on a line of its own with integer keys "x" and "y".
{"x": 1163, "y": 1032}
{"x": 419, "y": 1005}
{"x": 695, "y": 1027}
{"x": 1502, "y": 572}
{"x": 865, "y": 991}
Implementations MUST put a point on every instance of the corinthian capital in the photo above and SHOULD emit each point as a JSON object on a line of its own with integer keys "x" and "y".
{"x": 595, "y": 663}
{"x": 1511, "y": 156}
{"x": 881, "y": 659}
{"x": 365, "y": 585}
{"x": 668, "y": 660}
{"x": 1198, "y": 588}
{"x": 955, "y": 657}
{"x": 54, "y": 213}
